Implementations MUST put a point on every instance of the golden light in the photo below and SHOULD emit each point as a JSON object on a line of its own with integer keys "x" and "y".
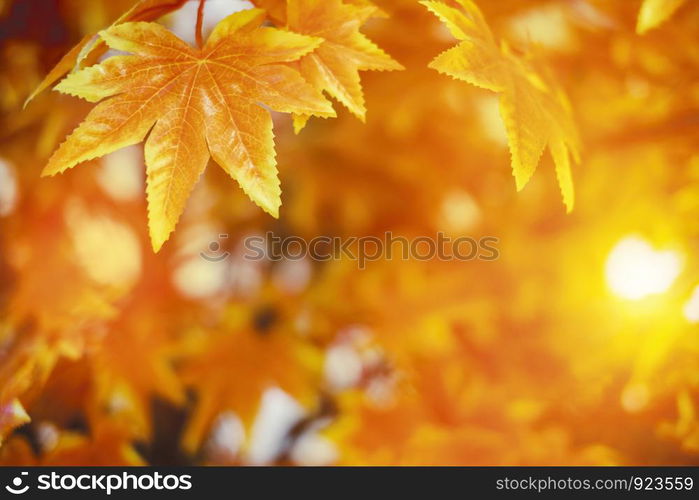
{"x": 635, "y": 270}
{"x": 691, "y": 307}
{"x": 634, "y": 397}
{"x": 108, "y": 250}
{"x": 459, "y": 212}
{"x": 121, "y": 174}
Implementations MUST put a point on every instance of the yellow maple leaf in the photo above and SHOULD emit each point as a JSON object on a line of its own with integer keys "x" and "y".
{"x": 655, "y": 12}
{"x": 535, "y": 111}
{"x": 204, "y": 102}
{"x": 334, "y": 66}
{"x": 143, "y": 10}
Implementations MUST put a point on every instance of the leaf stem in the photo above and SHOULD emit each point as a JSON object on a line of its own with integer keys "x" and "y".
{"x": 200, "y": 21}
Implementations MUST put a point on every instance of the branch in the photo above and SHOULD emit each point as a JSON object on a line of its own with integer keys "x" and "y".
{"x": 200, "y": 21}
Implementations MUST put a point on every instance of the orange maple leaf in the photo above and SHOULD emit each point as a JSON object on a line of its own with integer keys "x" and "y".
{"x": 230, "y": 371}
{"x": 334, "y": 66}
{"x": 132, "y": 365}
{"x": 204, "y": 102}
{"x": 108, "y": 444}
{"x": 535, "y": 111}
{"x": 12, "y": 414}
{"x": 143, "y": 10}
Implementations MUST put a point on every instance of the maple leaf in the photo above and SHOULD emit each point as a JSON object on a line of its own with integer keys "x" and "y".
{"x": 655, "y": 12}
{"x": 204, "y": 102}
{"x": 132, "y": 365}
{"x": 535, "y": 111}
{"x": 230, "y": 371}
{"x": 17, "y": 452}
{"x": 73, "y": 302}
{"x": 108, "y": 444}
{"x": 334, "y": 66}
{"x": 143, "y": 10}
{"x": 12, "y": 414}
{"x": 276, "y": 9}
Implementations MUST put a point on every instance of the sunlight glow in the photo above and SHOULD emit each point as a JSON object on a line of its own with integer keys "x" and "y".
{"x": 635, "y": 270}
{"x": 691, "y": 307}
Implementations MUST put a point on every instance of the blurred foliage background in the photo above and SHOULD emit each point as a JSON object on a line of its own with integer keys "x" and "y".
{"x": 579, "y": 345}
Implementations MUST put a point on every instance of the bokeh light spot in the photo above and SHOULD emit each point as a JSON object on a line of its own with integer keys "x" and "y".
{"x": 634, "y": 397}
{"x": 8, "y": 189}
{"x": 691, "y": 307}
{"x": 635, "y": 270}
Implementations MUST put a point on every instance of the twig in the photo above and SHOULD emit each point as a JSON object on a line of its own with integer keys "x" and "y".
{"x": 200, "y": 21}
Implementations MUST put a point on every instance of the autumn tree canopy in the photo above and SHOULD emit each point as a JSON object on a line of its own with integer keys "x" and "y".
{"x": 134, "y": 329}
